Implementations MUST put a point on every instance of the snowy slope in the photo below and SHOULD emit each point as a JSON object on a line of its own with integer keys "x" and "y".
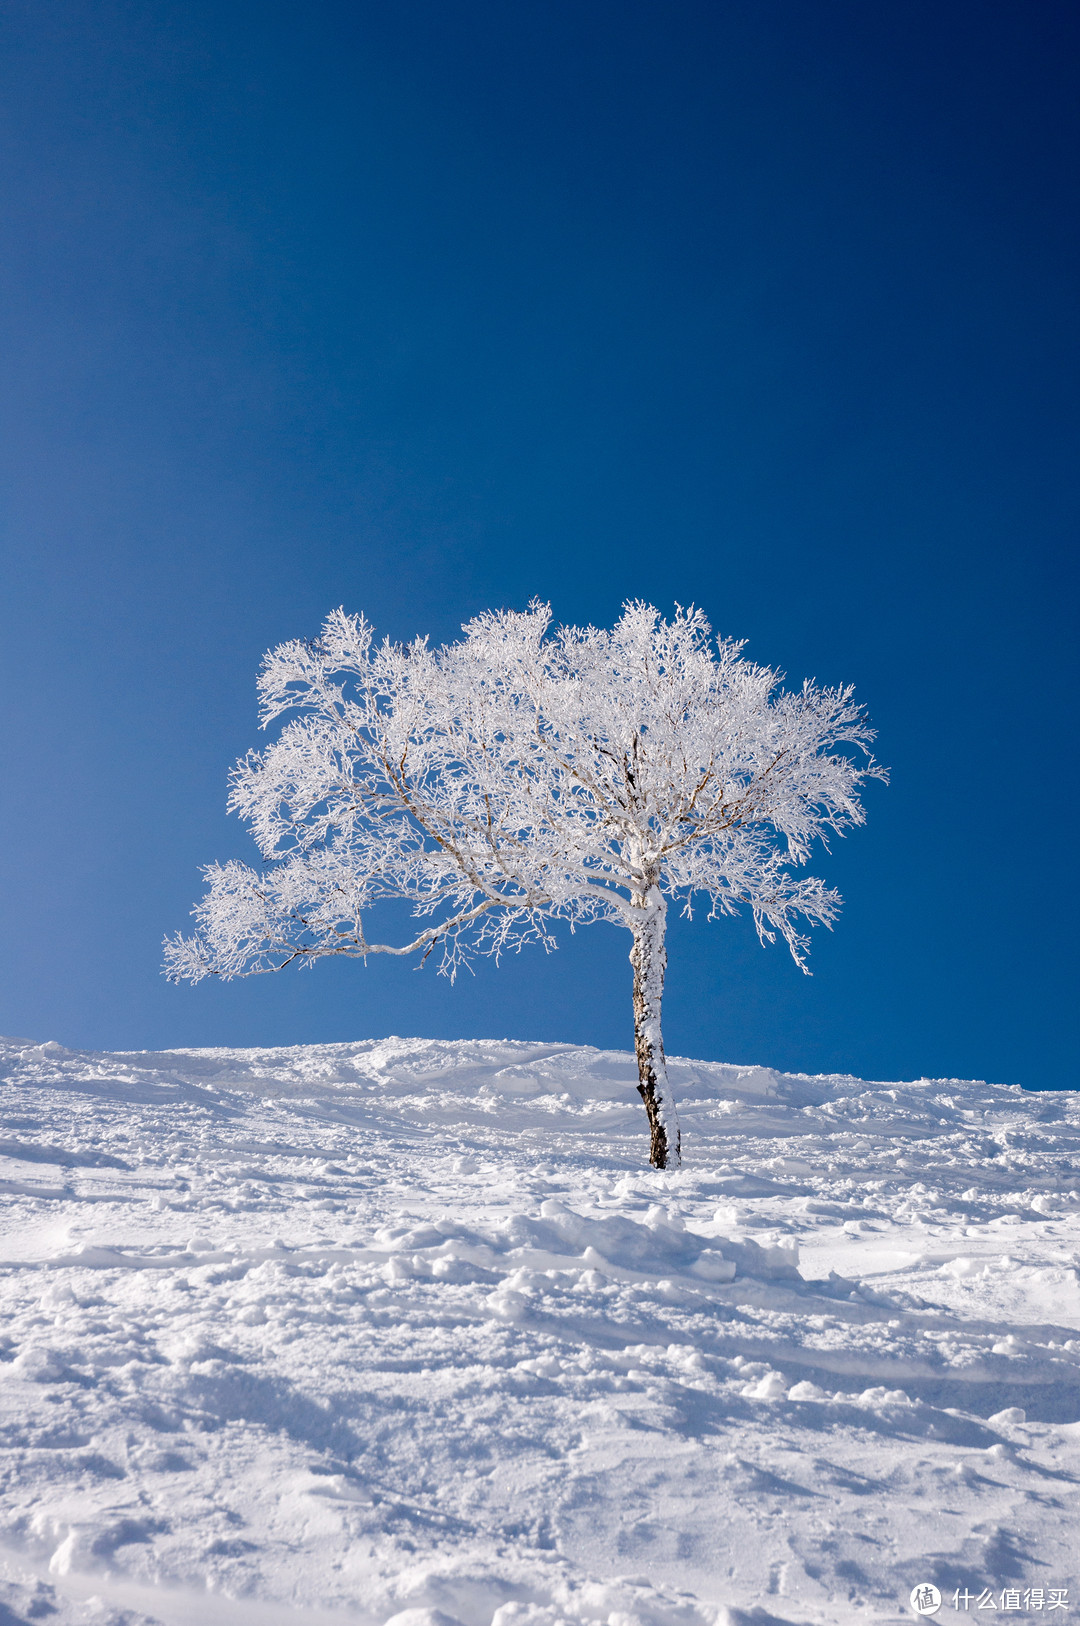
{"x": 406, "y": 1329}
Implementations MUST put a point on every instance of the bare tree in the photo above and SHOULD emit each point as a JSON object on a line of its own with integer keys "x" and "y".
{"x": 525, "y": 775}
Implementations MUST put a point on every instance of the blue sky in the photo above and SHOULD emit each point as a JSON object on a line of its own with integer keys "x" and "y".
{"x": 425, "y": 308}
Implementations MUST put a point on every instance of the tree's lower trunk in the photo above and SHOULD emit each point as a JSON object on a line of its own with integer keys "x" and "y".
{"x": 649, "y": 960}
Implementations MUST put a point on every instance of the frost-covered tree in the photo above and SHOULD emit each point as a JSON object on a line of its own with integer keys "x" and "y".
{"x": 524, "y": 775}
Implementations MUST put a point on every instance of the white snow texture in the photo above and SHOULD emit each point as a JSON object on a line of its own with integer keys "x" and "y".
{"x": 407, "y": 1331}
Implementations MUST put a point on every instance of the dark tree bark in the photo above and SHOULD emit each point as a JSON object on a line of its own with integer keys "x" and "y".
{"x": 648, "y": 957}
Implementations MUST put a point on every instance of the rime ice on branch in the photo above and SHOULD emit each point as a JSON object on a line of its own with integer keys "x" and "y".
{"x": 524, "y": 775}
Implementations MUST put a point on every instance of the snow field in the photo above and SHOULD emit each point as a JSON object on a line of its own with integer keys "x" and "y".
{"x": 407, "y": 1331}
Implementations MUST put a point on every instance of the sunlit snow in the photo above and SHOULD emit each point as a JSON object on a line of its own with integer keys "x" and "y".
{"x": 408, "y": 1330}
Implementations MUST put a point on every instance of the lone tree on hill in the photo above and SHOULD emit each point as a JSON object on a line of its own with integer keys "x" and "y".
{"x": 524, "y": 775}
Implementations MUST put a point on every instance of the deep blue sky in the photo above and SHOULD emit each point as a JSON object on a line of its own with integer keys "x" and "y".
{"x": 424, "y": 308}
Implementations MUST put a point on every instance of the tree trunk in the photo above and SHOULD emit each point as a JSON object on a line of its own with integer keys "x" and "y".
{"x": 649, "y": 960}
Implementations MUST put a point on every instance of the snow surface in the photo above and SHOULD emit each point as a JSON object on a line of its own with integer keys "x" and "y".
{"x": 407, "y": 1330}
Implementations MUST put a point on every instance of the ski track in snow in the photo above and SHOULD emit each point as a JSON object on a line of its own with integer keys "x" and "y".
{"x": 406, "y": 1330}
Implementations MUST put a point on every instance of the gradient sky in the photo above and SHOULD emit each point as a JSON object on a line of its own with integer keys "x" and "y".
{"x": 425, "y": 307}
